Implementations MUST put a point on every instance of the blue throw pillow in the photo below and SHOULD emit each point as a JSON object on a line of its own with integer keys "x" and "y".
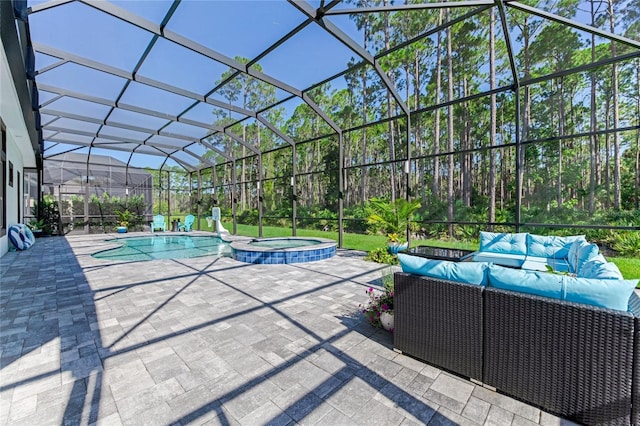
{"x": 530, "y": 282}
{"x": 600, "y": 269}
{"x": 16, "y": 238}
{"x": 612, "y": 294}
{"x": 26, "y": 235}
{"x": 581, "y": 252}
{"x": 29, "y": 235}
{"x": 463, "y": 272}
{"x": 494, "y": 242}
{"x": 550, "y": 246}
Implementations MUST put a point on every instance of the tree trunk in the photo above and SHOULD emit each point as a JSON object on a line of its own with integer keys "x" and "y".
{"x": 636, "y": 186}
{"x": 363, "y": 174}
{"x": 392, "y": 142}
{"x": 526, "y": 110}
{"x": 561, "y": 132}
{"x": 316, "y": 181}
{"x": 501, "y": 162}
{"x": 607, "y": 157}
{"x": 616, "y": 118}
{"x": 450, "y": 171}
{"x": 243, "y": 173}
{"x": 592, "y": 123}
{"x": 467, "y": 156}
{"x": 436, "y": 130}
{"x": 492, "y": 135}
{"x": 243, "y": 185}
{"x": 418, "y": 125}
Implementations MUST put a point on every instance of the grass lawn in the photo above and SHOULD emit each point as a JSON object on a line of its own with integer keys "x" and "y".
{"x": 629, "y": 266}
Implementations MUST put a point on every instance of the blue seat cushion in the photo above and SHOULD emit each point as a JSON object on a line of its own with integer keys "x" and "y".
{"x": 505, "y": 259}
{"x": 530, "y": 282}
{"x": 507, "y": 243}
{"x": 540, "y": 264}
{"x": 550, "y": 246}
{"x": 463, "y": 272}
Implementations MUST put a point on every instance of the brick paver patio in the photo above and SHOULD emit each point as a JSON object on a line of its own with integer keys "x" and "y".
{"x": 213, "y": 341}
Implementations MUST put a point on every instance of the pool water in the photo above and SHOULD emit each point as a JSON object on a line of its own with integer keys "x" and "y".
{"x": 284, "y": 243}
{"x": 165, "y": 247}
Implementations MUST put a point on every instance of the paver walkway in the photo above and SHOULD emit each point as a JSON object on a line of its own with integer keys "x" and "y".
{"x": 213, "y": 341}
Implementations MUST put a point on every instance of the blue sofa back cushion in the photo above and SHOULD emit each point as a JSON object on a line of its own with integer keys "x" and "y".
{"x": 611, "y": 294}
{"x": 550, "y": 246}
{"x": 580, "y": 253}
{"x": 530, "y": 282}
{"x": 601, "y": 269}
{"x": 463, "y": 272}
{"x": 503, "y": 243}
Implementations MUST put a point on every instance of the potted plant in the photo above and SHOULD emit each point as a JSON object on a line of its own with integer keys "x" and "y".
{"x": 49, "y": 217}
{"x": 395, "y": 243}
{"x": 393, "y": 219}
{"x": 379, "y": 309}
{"x": 36, "y": 226}
{"x": 123, "y": 219}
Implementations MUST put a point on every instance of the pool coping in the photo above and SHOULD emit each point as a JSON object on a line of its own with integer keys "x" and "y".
{"x": 245, "y": 244}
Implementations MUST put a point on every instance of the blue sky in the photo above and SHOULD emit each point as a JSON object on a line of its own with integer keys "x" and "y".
{"x": 234, "y": 28}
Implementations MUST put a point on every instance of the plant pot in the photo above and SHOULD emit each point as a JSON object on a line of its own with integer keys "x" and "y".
{"x": 394, "y": 248}
{"x": 121, "y": 229}
{"x": 386, "y": 319}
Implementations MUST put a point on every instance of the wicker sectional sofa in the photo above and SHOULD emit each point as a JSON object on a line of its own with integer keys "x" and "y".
{"x": 576, "y": 360}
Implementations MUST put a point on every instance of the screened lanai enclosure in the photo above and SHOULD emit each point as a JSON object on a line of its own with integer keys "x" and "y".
{"x": 495, "y": 114}
{"x": 92, "y": 207}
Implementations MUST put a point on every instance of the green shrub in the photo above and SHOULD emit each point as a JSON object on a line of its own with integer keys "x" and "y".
{"x": 380, "y": 255}
{"x": 248, "y": 217}
{"x": 627, "y": 243}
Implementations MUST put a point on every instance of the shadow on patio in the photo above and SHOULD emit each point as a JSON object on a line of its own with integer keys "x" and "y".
{"x": 202, "y": 340}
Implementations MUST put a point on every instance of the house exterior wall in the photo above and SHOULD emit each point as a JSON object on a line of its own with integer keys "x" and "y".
{"x": 17, "y": 120}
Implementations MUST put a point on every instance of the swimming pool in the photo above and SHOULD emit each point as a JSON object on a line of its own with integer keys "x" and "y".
{"x": 164, "y": 247}
{"x": 283, "y": 250}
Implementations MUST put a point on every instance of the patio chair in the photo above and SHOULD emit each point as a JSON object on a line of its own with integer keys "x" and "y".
{"x": 158, "y": 223}
{"x": 188, "y": 223}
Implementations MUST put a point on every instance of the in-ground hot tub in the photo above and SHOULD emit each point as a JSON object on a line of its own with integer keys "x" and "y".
{"x": 283, "y": 250}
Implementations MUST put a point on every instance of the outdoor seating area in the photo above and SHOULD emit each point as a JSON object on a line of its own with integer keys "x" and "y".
{"x": 213, "y": 340}
{"x": 564, "y": 341}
